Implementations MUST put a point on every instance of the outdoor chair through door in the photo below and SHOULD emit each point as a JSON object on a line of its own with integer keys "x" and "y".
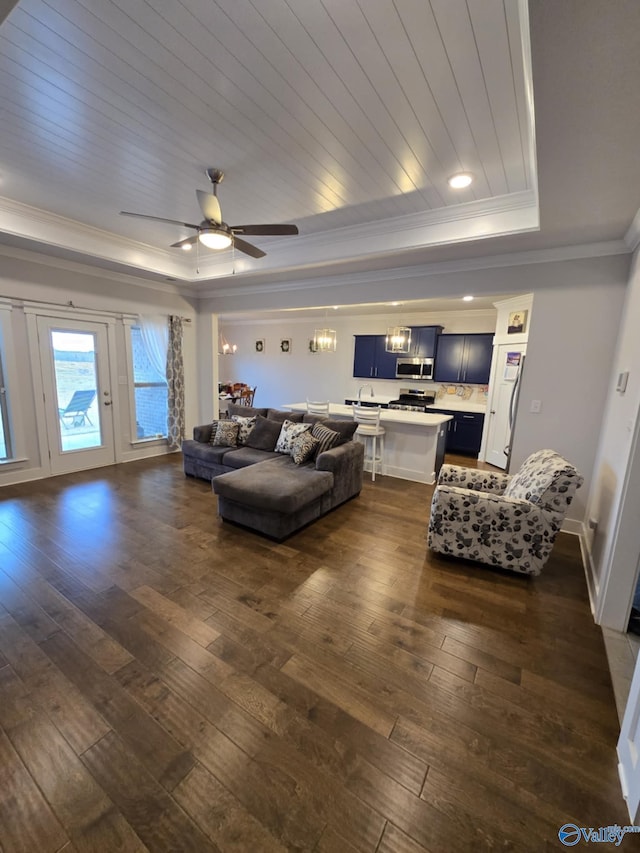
{"x": 75, "y": 412}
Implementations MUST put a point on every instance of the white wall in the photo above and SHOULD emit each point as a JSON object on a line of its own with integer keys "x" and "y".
{"x": 613, "y": 548}
{"x": 288, "y": 378}
{"x": 36, "y": 278}
{"x": 570, "y": 351}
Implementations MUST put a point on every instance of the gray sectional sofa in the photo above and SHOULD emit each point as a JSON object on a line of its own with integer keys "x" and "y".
{"x": 265, "y": 490}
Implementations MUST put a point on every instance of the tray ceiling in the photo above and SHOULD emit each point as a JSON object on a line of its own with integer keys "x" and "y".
{"x": 343, "y": 116}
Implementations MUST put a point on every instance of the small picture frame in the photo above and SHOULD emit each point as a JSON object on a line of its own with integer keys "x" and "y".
{"x": 517, "y": 322}
{"x": 285, "y": 345}
{"x": 260, "y": 345}
{"x": 313, "y": 345}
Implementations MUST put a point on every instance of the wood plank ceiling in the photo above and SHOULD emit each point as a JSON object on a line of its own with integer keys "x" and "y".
{"x": 330, "y": 113}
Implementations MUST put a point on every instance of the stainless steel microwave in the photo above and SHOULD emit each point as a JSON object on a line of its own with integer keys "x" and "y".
{"x": 414, "y": 368}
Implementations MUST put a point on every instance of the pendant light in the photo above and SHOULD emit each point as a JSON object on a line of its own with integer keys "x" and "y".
{"x": 225, "y": 348}
{"x": 325, "y": 340}
{"x": 398, "y": 339}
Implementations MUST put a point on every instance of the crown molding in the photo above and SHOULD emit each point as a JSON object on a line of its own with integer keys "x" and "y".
{"x": 50, "y": 229}
{"x": 87, "y": 270}
{"x": 537, "y": 256}
{"x": 499, "y": 216}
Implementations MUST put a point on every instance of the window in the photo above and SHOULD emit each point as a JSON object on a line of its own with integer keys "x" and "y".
{"x": 150, "y": 390}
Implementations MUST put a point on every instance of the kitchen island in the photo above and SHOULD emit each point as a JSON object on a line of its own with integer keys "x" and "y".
{"x": 413, "y": 443}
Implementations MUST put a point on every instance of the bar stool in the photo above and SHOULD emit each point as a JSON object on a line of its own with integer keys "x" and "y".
{"x": 368, "y": 420}
{"x": 318, "y": 408}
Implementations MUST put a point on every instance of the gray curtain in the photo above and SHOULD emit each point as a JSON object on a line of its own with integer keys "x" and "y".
{"x": 175, "y": 385}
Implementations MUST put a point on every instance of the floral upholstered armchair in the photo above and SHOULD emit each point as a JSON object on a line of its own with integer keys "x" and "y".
{"x": 501, "y": 520}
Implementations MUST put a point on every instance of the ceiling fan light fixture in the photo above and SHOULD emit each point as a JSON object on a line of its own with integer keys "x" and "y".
{"x": 186, "y": 247}
{"x": 460, "y": 180}
{"x": 214, "y": 238}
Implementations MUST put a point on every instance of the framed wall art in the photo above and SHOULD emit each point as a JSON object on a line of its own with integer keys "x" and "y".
{"x": 260, "y": 345}
{"x": 285, "y": 345}
{"x": 517, "y": 322}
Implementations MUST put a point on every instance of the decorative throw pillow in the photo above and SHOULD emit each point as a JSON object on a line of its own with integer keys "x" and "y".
{"x": 303, "y": 447}
{"x": 326, "y": 437}
{"x": 288, "y": 432}
{"x": 246, "y": 425}
{"x": 227, "y": 434}
{"x": 264, "y": 434}
{"x": 214, "y": 429}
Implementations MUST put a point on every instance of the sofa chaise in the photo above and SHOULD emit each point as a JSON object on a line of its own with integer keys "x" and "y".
{"x": 266, "y": 490}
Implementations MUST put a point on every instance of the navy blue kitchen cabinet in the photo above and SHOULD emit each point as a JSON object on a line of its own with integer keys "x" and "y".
{"x": 464, "y": 432}
{"x": 464, "y": 358}
{"x": 371, "y": 360}
{"x": 424, "y": 340}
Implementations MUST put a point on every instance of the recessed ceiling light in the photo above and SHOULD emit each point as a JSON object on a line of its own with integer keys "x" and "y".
{"x": 467, "y": 298}
{"x": 335, "y": 307}
{"x": 460, "y": 181}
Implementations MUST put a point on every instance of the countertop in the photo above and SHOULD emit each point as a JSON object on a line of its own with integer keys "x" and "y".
{"x": 458, "y": 405}
{"x": 388, "y": 416}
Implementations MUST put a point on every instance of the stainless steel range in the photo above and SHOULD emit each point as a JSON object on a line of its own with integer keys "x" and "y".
{"x": 413, "y": 400}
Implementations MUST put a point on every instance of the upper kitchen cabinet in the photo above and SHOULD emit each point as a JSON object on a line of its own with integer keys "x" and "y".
{"x": 371, "y": 360}
{"x": 424, "y": 341}
{"x": 464, "y": 358}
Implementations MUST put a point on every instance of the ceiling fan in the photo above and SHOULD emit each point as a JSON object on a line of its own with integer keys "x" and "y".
{"x": 212, "y": 231}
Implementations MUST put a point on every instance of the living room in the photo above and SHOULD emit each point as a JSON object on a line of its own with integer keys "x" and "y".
{"x": 567, "y": 234}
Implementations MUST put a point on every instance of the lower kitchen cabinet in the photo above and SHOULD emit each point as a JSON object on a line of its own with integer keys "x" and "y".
{"x": 464, "y": 434}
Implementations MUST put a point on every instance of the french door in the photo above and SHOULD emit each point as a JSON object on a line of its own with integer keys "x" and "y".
{"x": 74, "y": 358}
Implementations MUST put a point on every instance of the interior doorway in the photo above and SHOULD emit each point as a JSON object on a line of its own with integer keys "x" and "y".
{"x": 76, "y": 379}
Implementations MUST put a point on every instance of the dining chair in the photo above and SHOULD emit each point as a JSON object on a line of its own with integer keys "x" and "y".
{"x": 318, "y": 407}
{"x": 246, "y": 396}
{"x": 369, "y": 430}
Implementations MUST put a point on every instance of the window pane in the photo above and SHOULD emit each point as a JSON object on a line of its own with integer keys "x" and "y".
{"x": 150, "y": 391}
{"x": 3, "y": 441}
{"x": 74, "y": 361}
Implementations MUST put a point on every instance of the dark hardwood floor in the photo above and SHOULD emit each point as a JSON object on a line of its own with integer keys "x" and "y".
{"x": 169, "y": 682}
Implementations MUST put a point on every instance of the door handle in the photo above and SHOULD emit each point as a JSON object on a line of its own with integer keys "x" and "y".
{"x": 108, "y": 403}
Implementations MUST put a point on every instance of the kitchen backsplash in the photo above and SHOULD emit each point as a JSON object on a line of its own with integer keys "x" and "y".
{"x": 467, "y": 393}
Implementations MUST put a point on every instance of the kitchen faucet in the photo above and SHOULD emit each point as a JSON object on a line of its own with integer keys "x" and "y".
{"x": 368, "y": 385}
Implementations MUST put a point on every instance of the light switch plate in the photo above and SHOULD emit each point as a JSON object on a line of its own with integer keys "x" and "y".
{"x": 535, "y": 407}
{"x": 622, "y": 382}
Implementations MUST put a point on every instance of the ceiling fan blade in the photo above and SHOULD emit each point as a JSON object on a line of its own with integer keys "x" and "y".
{"x": 188, "y": 241}
{"x": 265, "y": 230}
{"x": 158, "y": 219}
{"x": 210, "y": 207}
{"x": 247, "y": 248}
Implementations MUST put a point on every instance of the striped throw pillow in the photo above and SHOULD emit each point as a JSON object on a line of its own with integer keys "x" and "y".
{"x": 327, "y": 438}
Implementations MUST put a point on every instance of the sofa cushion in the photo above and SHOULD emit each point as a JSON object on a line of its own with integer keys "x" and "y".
{"x": 288, "y": 433}
{"x": 545, "y": 479}
{"x": 205, "y": 452}
{"x": 284, "y": 490}
{"x": 245, "y": 426}
{"x": 282, "y": 416}
{"x": 345, "y": 429}
{"x": 264, "y": 434}
{"x": 227, "y": 434}
{"x": 242, "y": 457}
{"x": 245, "y": 411}
{"x": 304, "y": 447}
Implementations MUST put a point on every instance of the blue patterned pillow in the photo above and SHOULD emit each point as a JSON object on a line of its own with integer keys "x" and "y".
{"x": 288, "y": 432}
{"x": 303, "y": 447}
{"x": 327, "y": 438}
